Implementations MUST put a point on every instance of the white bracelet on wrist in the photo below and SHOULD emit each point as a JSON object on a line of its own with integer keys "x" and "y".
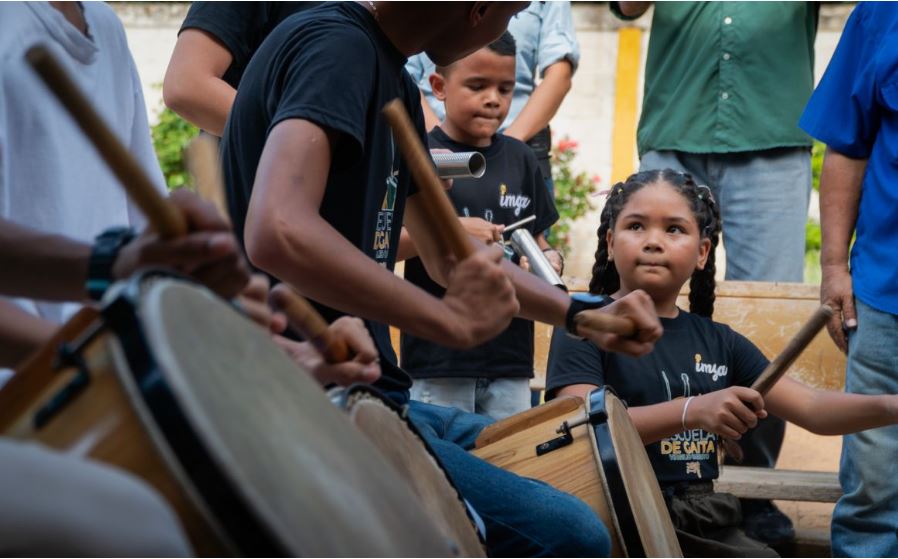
{"x": 685, "y": 407}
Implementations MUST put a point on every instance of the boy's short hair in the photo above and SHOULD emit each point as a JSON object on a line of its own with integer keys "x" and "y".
{"x": 503, "y": 46}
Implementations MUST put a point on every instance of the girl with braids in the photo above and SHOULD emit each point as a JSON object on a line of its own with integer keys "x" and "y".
{"x": 659, "y": 230}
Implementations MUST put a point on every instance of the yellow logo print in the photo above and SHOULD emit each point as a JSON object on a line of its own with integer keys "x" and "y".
{"x": 503, "y": 189}
{"x": 698, "y": 358}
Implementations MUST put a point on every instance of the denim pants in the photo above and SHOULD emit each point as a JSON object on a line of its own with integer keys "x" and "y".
{"x": 496, "y": 398}
{"x": 523, "y": 517}
{"x": 866, "y": 517}
{"x": 763, "y": 198}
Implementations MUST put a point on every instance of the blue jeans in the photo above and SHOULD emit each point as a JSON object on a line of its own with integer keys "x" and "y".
{"x": 523, "y": 517}
{"x": 763, "y": 197}
{"x": 866, "y": 517}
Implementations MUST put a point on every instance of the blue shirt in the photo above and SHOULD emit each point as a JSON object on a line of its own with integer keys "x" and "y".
{"x": 544, "y": 35}
{"x": 854, "y": 111}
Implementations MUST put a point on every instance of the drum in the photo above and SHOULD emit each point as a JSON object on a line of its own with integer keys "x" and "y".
{"x": 401, "y": 444}
{"x": 594, "y": 452}
{"x": 174, "y": 385}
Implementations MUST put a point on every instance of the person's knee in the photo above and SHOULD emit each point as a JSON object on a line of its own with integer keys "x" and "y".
{"x": 579, "y": 532}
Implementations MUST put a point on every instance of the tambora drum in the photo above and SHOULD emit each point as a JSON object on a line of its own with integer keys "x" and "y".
{"x": 383, "y": 424}
{"x": 594, "y": 452}
{"x": 174, "y": 385}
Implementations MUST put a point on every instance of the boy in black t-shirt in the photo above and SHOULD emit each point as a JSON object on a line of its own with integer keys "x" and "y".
{"x": 318, "y": 191}
{"x": 492, "y": 378}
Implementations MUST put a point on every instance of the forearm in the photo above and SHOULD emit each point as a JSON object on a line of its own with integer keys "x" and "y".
{"x": 828, "y": 412}
{"x": 21, "y": 334}
{"x": 539, "y": 300}
{"x": 41, "y": 266}
{"x": 660, "y": 421}
{"x": 327, "y": 268}
{"x": 407, "y": 247}
{"x": 543, "y": 103}
{"x": 840, "y": 191}
{"x": 204, "y": 103}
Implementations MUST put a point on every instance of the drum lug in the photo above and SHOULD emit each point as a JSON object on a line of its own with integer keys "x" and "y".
{"x": 558, "y": 442}
{"x": 69, "y": 356}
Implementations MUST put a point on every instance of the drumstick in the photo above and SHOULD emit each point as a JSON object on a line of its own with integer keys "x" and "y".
{"x": 781, "y": 363}
{"x": 430, "y": 189}
{"x": 519, "y": 223}
{"x": 305, "y": 319}
{"x": 594, "y": 319}
{"x": 162, "y": 215}
{"x": 201, "y": 157}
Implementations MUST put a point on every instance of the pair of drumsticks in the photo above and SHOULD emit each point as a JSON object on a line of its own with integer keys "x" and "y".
{"x": 170, "y": 223}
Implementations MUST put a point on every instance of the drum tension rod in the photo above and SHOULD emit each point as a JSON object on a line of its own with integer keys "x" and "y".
{"x": 68, "y": 356}
{"x": 565, "y": 439}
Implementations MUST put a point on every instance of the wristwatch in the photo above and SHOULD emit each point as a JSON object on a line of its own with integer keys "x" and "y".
{"x": 102, "y": 257}
{"x": 583, "y": 302}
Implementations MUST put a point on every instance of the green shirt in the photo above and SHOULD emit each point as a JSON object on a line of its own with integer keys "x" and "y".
{"x": 727, "y": 76}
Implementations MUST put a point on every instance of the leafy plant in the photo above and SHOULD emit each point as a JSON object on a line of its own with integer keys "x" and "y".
{"x": 812, "y": 242}
{"x": 572, "y": 193}
{"x": 170, "y": 136}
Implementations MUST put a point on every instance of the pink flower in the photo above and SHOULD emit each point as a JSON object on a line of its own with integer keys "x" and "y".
{"x": 596, "y": 179}
{"x": 567, "y": 145}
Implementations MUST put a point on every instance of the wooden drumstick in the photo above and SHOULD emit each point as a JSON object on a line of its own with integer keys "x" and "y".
{"x": 201, "y": 156}
{"x": 162, "y": 214}
{"x": 781, "y": 363}
{"x": 599, "y": 321}
{"x": 430, "y": 189}
{"x": 306, "y": 320}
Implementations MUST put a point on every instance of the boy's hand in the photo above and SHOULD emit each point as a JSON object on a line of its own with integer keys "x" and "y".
{"x": 480, "y": 300}
{"x": 729, "y": 412}
{"x": 209, "y": 252}
{"x": 638, "y": 307}
{"x": 555, "y": 259}
{"x": 253, "y": 300}
{"x": 364, "y": 367}
{"x": 482, "y": 230}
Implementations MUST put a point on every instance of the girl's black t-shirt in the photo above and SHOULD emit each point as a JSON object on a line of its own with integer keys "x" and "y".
{"x": 511, "y": 189}
{"x": 694, "y": 356}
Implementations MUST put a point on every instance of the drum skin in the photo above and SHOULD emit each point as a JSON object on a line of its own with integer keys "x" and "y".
{"x": 271, "y": 446}
{"x": 407, "y": 452}
{"x": 576, "y": 468}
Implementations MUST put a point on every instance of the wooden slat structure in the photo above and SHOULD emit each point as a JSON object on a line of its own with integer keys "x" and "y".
{"x": 785, "y": 485}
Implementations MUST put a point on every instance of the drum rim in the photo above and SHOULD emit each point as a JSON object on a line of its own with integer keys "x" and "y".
{"x": 344, "y": 398}
{"x": 617, "y": 489}
{"x": 227, "y": 506}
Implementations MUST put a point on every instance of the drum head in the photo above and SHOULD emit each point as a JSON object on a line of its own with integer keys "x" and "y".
{"x": 314, "y": 483}
{"x": 649, "y": 510}
{"x": 413, "y": 460}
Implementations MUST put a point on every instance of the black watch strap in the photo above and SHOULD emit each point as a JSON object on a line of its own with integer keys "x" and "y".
{"x": 106, "y": 248}
{"x": 582, "y": 302}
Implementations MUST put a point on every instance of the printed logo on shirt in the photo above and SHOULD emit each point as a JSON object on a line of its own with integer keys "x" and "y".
{"x": 691, "y": 445}
{"x": 716, "y": 371}
{"x": 517, "y": 202}
{"x": 384, "y": 227}
{"x": 694, "y": 468}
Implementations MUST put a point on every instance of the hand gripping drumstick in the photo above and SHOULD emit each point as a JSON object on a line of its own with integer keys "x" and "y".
{"x": 430, "y": 189}
{"x": 781, "y": 363}
{"x": 594, "y": 319}
{"x": 309, "y": 323}
{"x": 162, "y": 215}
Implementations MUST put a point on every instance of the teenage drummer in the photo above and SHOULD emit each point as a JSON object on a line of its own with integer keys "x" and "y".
{"x": 318, "y": 192}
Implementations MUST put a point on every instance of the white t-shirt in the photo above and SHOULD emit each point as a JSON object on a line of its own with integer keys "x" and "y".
{"x": 51, "y": 177}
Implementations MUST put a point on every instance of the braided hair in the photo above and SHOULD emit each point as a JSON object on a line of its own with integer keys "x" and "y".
{"x": 605, "y": 278}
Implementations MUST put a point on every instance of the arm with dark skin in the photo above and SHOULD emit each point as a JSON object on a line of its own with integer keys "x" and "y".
{"x": 840, "y": 193}
{"x": 634, "y": 9}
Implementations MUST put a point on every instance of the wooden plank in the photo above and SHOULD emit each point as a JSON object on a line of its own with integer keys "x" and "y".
{"x": 785, "y": 485}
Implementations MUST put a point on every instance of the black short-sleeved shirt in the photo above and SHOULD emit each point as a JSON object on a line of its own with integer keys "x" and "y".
{"x": 240, "y": 27}
{"x": 511, "y": 189}
{"x": 694, "y": 356}
{"x": 332, "y": 66}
